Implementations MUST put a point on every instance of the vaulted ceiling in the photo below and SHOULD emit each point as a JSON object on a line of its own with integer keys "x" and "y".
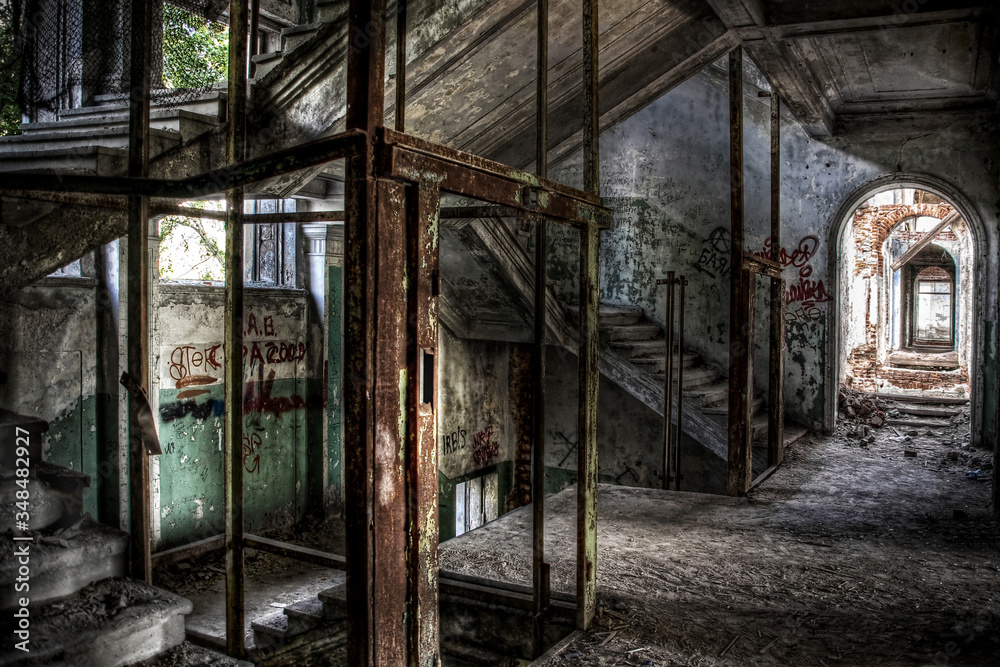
{"x": 842, "y": 65}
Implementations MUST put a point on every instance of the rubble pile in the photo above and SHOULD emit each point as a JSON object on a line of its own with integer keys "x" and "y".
{"x": 859, "y": 408}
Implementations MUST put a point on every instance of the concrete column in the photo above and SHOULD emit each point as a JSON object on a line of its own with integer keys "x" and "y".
{"x": 325, "y": 257}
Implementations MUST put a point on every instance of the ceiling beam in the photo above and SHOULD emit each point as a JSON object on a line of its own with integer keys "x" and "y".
{"x": 915, "y": 249}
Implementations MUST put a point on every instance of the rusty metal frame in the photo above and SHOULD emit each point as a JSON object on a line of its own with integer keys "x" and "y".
{"x": 745, "y": 267}
{"x": 137, "y": 307}
{"x": 393, "y": 185}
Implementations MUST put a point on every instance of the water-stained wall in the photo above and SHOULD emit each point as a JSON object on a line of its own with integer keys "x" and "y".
{"x": 281, "y": 399}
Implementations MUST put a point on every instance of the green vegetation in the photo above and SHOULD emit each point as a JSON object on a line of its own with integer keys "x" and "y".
{"x": 195, "y": 51}
{"x": 192, "y": 248}
{"x": 10, "y": 68}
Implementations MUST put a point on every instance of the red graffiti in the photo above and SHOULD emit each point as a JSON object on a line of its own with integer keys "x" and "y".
{"x": 254, "y": 329}
{"x": 799, "y": 257}
{"x": 251, "y": 443}
{"x": 257, "y": 398}
{"x": 812, "y": 291}
{"x": 186, "y": 360}
{"x": 484, "y": 447}
{"x": 270, "y": 352}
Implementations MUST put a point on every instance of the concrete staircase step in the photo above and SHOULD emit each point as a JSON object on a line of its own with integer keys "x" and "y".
{"x": 638, "y": 349}
{"x": 656, "y": 364}
{"x": 189, "y": 655}
{"x": 612, "y": 315}
{"x": 297, "y": 35}
{"x": 265, "y": 63}
{"x": 304, "y": 615}
{"x": 98, "y": 160}
{"x": 187, "y": 124}
{"x": 334, "y": 601}
{"x": 211, "y": 103}
{"x": 723, "y": 408}
{"x": 693, "y": 377}
{"x": 92, "y": 553}
{"x": 110, "y": 623}
{"x": 630, "y": 332}
{"x": 159, "y": 141}
{"x": 270, "y": 632}
{"x": 710, "y": 393}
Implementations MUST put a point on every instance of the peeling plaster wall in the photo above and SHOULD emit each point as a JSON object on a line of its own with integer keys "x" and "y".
{"x": 282, "y": 403}
{"x": 665, "y": 172}
{"x": 49, "y": 369}
{"x": 474, "y": 414}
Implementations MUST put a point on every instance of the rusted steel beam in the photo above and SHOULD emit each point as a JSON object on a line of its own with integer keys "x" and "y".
{"x": 137, "y": 309}
{"x": 321, "y": 151}
{"x": 915, "y": 249}
{"x": 539, "y": 568}
{"x": 586, "y": 500}
{"x": 392, "y": 379}
{"x": 482, "y": 165}
{"x": 365, "y": 109}
{"x": 542, "y": 90}
{"x": 294, "y": 552}
{"x": 668, "y": 382}
{"x": 740, "y": 294}
{"x": 776, "y": 368}
{"x": 407, "y": 164}
{"x": 679, "y": 431}
{"x": 233, "y": 418}
{"x": 763, "y": 266}
{"x": 424, "y": 201}
{"x": 400, "y": 66}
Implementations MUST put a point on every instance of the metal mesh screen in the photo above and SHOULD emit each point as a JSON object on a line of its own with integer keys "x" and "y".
{"x": 77, "y": 53}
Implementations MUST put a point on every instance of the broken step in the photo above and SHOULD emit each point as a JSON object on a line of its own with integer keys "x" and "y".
{"x": 94, "y": 552}
{"x": 921, "y": 411}
{"x": 914, "y": 398}
{"x": 657, "y": 364}
{"x": 110, "y": 623}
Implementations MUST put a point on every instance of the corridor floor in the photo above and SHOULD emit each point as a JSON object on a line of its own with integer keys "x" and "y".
{"x": 850, "y": 554}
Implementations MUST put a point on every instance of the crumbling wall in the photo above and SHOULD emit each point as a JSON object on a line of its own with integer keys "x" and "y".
{"x": 280, "y": 390}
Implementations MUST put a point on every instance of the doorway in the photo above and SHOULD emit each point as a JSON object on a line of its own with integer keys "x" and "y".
{"x": 909, "y": 320}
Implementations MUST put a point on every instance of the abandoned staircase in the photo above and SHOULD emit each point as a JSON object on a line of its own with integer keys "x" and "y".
{"x": 80, "y": 609}
{"x": 627, "y": 332}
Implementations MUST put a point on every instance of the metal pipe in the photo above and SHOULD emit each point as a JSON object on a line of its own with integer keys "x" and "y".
{"x": 591, "y": 101}
{"x": 679, "y": 431}
{"x": 233, "y": 419}
{"x": 668, "y": 382}
{"x": 321, "y": 151}
{"x": 400, "y": 65}
{"x": 137, "y": 308}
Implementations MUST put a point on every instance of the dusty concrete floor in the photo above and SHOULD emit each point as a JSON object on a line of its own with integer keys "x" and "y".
{"x": 849, "y": 555}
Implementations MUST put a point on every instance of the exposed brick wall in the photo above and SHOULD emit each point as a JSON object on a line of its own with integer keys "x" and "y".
{"x": 871, "y": 228}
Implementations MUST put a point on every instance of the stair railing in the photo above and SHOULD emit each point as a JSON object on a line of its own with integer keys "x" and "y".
{"x": 672, "y": 434}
